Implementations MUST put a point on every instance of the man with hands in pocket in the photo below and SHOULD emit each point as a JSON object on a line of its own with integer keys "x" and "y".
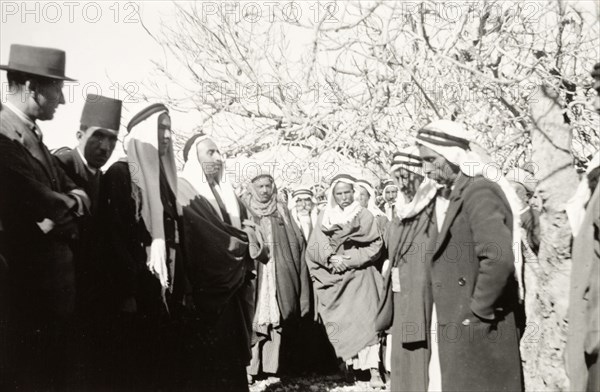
{"x": 474, "y": 285}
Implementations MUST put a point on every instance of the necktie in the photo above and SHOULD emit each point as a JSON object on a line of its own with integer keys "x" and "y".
{"x": 37, "y": 132}
{"x": 224, "y": 213}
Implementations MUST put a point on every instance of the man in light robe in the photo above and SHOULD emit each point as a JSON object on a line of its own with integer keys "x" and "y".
{"x": 341, "y": 257}
{"x": 283, "y": 282}
{"x": 390, "y": 198}
{"x": 221, "y": 246}
{"x": 583, "y": 339}
{"x": 303, "y": 207}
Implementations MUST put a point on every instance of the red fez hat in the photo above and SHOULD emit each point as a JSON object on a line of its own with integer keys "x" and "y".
{"x": 35, "y": 60}
{"x": 102, "y": 112}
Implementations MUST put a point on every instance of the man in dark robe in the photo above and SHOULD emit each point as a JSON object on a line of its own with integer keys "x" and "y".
{"x": 97, "y": 135}
{"x": 474, "y": 282}
{"x": 39, "y": 209}
{"x": 220, "y": 247}
{"x": 341, "y": 257}
{"x": 141, "y": 228}
{"x": 407, "y": 238}
{"x": 283, "y": 283}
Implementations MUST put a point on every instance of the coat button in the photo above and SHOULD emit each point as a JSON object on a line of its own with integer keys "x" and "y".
{"x": 462, "y": 281}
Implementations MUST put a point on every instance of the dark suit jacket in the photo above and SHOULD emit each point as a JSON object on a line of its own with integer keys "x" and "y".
{"x": 34, "y": 188}
{"x": 76, "y": 170}
{"x": 91, "y": 274}
{"x": 475, "y": 291}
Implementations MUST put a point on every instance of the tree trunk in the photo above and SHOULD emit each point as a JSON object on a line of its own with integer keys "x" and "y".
{"x": 547, "y": 282}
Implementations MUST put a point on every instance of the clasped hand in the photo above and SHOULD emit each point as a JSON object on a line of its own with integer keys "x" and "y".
{"x": 338, "y": 265}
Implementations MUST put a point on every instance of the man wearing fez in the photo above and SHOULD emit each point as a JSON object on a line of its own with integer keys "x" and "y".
{"x": 583, "y": 339}
{"x": 283, "y": 282}
{"x": 39, "y": 206}
{"x": 97, "y": 136}
{"x": 220, "y": 245}
{"x": 304, "y": 211}
{"x": 474, "y": 282}
{"x": 341, "y": 257}
{"x": 141, "y": 222}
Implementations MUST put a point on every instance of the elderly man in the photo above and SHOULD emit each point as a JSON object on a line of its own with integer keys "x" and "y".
{"x": 39, "y": 206}
{"x": 221, "y": 245}
{"x": 390, "y": 198}
{"x": 475, "y": 291}
{"x": 141, "y": 227}
{"x": 283, "y": 282}
{"x": 408, "y": 283}
{"x": 341, "y": 257}
{"x": 304, "y": 211}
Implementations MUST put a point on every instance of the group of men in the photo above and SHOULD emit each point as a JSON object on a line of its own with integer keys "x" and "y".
{"x": 145, "y": 278}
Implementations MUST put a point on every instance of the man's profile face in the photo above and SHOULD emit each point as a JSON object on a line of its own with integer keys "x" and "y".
{"x": 98, "y": 145}
{"x": 304, "y": 205}
{"x": 264, "y": 189}
{"x": 407, "y": 181}
{"x": 49, "y": 96}
{"x": 363, "y": 197}
{"x": 164, "y": 133}
{"x": 343, "y": 194}
{"x": 210, "y": 158}
{"x": 437, "y": 167}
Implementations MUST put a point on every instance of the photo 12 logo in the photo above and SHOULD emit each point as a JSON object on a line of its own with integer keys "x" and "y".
{"x": 70, "y": 11}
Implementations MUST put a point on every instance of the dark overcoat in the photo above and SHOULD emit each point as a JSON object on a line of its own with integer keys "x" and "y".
{"x": 475, "y": 291}
{"x": 34, "y": 187}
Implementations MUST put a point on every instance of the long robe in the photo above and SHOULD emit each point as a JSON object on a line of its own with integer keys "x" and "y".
{"x": 221, "y": 272}
{"x": 348, "y": 301}
{"x": 142, "y": 344}
{"x": 292, "y": 282}
{"x": 583, "y": 340}
{"x": 407, "y": 242}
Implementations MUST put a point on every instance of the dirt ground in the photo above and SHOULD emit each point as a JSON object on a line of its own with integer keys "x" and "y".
{"x": 314, "y": 383}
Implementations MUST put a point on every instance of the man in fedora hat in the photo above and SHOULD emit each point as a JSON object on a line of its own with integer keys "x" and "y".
{"x": 97, "y": 136}
{"x": 39, "y": 207}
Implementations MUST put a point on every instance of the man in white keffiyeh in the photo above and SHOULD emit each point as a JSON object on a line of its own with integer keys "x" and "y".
{"x": 141, "y": 215}
{"x": 342, "y": 254}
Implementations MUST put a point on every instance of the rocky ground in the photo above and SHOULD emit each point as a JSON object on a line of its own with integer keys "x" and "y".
{"x": 311, "y": 383}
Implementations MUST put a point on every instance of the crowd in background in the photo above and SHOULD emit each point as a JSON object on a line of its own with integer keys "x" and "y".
{"x": 143, "y": 277}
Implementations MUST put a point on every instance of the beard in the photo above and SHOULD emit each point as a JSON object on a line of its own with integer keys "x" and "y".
{"x": 303, "y": 212}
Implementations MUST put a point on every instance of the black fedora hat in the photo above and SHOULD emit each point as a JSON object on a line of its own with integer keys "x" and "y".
{"x": 35, "y": 60}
